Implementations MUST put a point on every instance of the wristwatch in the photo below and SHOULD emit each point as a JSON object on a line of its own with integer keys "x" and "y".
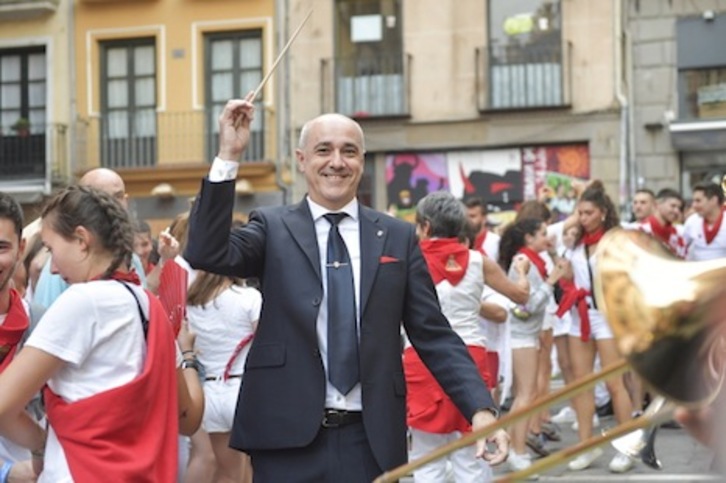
{"x": 494, "y": 411}
{"x": 190, "y": 364}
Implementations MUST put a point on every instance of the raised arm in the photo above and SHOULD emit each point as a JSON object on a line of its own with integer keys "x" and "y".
{"x": 495, "y": 277}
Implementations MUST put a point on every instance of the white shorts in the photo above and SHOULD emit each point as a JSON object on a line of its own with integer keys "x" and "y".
{"x": 547, "y": 321}
{"x": 220, "y": 403}
{"x": 524, "y": 341}
{"x": 599, "y": 328}
{"x": 561, "y": 325}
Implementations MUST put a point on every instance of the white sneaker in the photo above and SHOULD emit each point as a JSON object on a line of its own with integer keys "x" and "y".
{"x": 519, "y": 462}
{"x": 595, "y": 423}
{"x": 621, "y": 463}
{"x": 584, "y": 460}
{"x": 566, "y": 415}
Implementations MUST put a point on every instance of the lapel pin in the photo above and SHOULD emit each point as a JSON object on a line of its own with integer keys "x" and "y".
{"x": 380, "y": 233}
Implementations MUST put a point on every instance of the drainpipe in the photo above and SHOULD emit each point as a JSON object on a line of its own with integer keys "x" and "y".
{"x": 282, "y": 84}
{"x": 624, "y": 191}
{"x": 72, "y": 147}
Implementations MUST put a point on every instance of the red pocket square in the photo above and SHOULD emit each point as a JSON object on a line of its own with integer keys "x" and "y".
{"x": 386, "y": 259}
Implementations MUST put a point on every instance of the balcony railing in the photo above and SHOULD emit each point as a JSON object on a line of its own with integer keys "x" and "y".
{"x": 24, "y": 9}
{"x": 24, "y": 156}
{"x": 523, "y": 77}
{"x": 370, "y": 87}
{"x": 180, "y": 137}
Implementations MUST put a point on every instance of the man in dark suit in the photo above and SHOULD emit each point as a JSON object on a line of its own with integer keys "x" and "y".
{"x": 295, "y": 417}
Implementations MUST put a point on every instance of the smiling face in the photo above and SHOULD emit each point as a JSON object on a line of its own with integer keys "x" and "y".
{"x": 10, "y": 250}
{"x": 331, "y": 156}
{"x": 669, "y": 209}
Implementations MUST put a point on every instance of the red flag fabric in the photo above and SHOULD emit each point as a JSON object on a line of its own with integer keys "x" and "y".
{"x": 173, "y": 293}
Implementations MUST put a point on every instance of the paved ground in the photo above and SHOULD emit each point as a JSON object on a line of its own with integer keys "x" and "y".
{"x": 683, "y": 460}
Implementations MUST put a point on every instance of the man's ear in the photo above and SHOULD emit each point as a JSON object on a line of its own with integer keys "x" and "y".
{"x": 300, "y": 158}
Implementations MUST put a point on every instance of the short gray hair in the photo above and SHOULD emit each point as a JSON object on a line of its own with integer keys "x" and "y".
{"x": 444, "y": 213}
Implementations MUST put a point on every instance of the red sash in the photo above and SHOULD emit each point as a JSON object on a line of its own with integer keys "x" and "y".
{"x": 428, "y": 407}
{"x": 573, "y": 296}
{"x": 710, "y": 233}
{"x": 12, "y": 330}
{"x": 241, "y": 345}
{"x": 446, "y": 258}
{"x": 128, "y": 433}
{"x": 536, "y": 260}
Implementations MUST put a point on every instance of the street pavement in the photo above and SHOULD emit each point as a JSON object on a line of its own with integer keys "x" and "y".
{"x": 682, "y": 457}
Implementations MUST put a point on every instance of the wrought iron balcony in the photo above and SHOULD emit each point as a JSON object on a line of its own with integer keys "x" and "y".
{"x": 169, "y": 138}
{"x": 534, "y": 76}
{"x": 366, "y": 87}
{"x": 24, "y": 9}
{"x": 26, "y": 155}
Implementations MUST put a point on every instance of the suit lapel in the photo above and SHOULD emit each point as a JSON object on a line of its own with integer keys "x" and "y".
{"x": 299, "y": 223}
{"x": 372, "y": 239}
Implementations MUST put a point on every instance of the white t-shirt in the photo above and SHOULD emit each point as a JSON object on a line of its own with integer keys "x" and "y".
{"x": 460, "y": 303}
{"x": 698, "y": 249}
{"x": 221, "y": 324}
{"x": 96, "y": 328}
{"x": 491, "y": 246}
{"x": 676, "y": 243}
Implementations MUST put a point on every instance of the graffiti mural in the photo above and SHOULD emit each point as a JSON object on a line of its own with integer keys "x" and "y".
{"x": 410, "y": 177}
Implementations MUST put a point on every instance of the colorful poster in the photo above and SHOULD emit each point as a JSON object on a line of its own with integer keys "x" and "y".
{"x": 495, "y": 176}
{"x": 565, "y": 165}
{"x": 410, "y": 177}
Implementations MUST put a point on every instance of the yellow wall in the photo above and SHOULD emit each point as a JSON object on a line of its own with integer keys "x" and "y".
{"x": 178, "y": 26}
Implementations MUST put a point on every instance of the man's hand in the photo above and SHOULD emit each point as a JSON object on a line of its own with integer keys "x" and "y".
{"x": 234, "y": 127}
{"x": 499, "y": 438}
{"x": 22, "y": 472}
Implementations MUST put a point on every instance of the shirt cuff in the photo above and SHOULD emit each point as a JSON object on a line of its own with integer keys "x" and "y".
{"x": 222, "y": 170}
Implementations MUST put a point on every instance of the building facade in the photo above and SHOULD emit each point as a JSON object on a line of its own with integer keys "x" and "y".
{"x": 35, "y": 116}
{"x": 489, "y": 98}
{"x": 679, "y": 90}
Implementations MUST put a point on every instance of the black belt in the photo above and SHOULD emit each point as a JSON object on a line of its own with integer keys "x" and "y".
{"x": 335, "y": 418}
{"x": 219, "y": 378}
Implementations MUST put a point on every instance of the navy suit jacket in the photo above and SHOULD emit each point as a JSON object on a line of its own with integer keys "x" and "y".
{"x": 282, "y": 397}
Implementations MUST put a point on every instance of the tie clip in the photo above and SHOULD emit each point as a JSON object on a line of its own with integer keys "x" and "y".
{"x": 335, "y": 264}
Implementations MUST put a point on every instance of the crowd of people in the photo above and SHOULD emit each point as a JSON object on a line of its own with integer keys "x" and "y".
{"x": 321, "y": 341}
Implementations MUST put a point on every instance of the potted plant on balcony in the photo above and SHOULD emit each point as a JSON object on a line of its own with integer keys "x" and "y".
{"x": 22, "y": 127}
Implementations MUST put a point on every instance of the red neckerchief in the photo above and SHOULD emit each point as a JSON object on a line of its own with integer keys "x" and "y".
{"x": 12, "y": 330}
{"x": 594, "y": 237}
{"x": 536, "y": 260}
{"x": 134, "y": 431}
{"x": 235, "y": 353}
{"x": 710, "y": 233}
{"x": 446, "y": 258}
{"x": 573, "y": 296}
{"x": 131, "y": 277}
{"x": 661, "y": 232}
{"x": 479, "y": 241}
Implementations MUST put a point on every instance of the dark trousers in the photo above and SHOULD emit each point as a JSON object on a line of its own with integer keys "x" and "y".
{"x": 336, "y": 455}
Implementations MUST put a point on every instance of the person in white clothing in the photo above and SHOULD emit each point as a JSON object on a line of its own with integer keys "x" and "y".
{"x": 526, "y": 239}
{"x": 662, "y": 224}
{"x": 704, "y": 230}
{"x": 590, "y": 333}
{"x": 459, "y": 275}
{"x": 94, "y": 338}
{"x": 485, "y": 241}
{"x": 224, "y": 315}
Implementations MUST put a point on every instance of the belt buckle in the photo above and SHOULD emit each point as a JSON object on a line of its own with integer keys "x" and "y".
{"x": 332, "y": 418}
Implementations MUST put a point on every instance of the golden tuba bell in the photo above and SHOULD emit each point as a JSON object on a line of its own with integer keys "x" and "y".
{"x": 666, "y": 314}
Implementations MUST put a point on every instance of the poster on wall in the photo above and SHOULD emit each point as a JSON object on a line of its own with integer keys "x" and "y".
{"x": 410, "y": 177}
{"x": 494, "y": 176}
{"x": 502, "y": 178}
{"x": 550, "y": 171}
